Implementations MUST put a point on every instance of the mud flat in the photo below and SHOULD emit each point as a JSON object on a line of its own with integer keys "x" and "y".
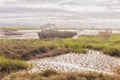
{"x": 93, "y": 61}
{"x": 25, "y": 34}
{"x": 33, "y": 34}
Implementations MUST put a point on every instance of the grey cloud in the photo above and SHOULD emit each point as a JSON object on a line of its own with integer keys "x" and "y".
{"x": 41, "y": 1}
{"x": 32, "y": 9}
{"x": 110, "y": 4}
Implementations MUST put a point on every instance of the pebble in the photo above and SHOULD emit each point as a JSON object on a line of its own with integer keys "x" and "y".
{"x": 93, "y": 61}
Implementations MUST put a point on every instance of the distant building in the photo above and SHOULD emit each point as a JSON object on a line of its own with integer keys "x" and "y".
{"x": 105, "y": 32}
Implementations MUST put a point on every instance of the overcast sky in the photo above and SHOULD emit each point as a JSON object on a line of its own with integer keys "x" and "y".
{"x": 66, "y": 13}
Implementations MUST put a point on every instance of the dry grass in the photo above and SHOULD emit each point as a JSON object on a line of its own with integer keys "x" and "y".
{"x": 53, "y": 75}
{"x": 117, "y": 70}
{"x": 30, "y": 49}
{"x": 9, "y": 65}
{"x": 18, "y": 28}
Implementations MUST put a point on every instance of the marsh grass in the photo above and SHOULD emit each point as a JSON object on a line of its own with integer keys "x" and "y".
{"x": 9, "y": 65}
{"x": 54, "y": 75}
{"x": 12, "y": 49}
{"x": 116, "y": 70}
{"x": 18, "y": 28}
{"x": 33, "y": 48}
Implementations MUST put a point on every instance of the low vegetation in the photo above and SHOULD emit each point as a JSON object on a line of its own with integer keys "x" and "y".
{"x": 53, "y": 75}
{"x": 116, "y": 70}
{"x": 18, "y": 28}
{"x": 9, "y": 65}
{"x": 12, "y": 50}
{"x": 30, "y": 49}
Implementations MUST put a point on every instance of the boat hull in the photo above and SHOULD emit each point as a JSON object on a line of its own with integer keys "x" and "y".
{"x": 55, "y": 34}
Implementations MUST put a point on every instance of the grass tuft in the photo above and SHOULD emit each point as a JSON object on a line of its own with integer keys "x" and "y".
{"x": 9, "y": 65}
{"x": 53, "y": 75}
